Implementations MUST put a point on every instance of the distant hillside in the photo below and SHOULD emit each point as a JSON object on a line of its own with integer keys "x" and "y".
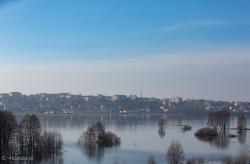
{"x": 69, "y": 103}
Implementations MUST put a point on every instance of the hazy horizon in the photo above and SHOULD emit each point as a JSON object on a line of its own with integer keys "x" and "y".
{"x": 121, "y": 47}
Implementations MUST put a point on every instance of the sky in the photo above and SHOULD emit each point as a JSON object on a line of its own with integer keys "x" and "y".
{"x": 193, "y": 49}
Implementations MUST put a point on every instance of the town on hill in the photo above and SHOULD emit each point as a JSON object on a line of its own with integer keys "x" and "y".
{"x": 66, "y": 103}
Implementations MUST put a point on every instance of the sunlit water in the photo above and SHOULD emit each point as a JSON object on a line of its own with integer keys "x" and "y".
{"x": 140, "y": 138}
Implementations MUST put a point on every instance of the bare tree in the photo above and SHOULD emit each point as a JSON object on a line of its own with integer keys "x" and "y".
{"x": 162, "y": 123}
{"x": 26, "y": 139}
{"x": 220, "y": 120}
{"x": 30, "y": 131}
{"x": 95, "y": 136}
{"x": 8, "y": 126}
{"x": 175, "y": 154}
{"x": 52, "y": 145}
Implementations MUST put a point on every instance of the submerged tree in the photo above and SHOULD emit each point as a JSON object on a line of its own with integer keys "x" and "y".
{"x": 217, "y": 135}
{"x": 93, "y": 141}
{"x": 175, "y": 154}
{"x": 8, "y": 139}
{"x": 96, "y": 136}
{"x": 162, "y": 123}
{"x": 206, "y": 133}
{"x": 219, "y": 120}
{"x": 52, "y": 145}
{"x": 30, "y": 131}
{"x": 26, "y": 139}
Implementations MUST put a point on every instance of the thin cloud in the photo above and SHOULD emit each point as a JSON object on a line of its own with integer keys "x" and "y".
{"x": 196, "y": 24}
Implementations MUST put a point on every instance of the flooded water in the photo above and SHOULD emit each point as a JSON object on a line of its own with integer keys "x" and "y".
{"x": 141, "y": 138}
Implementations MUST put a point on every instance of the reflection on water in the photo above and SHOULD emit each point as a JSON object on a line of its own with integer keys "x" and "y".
{"x": 162, "y": 132}
{"x": 242, "y": 135}
{"x": 142, "y": 138}
{"x": 221, "y": 141}
{"x": 92, "y": 153}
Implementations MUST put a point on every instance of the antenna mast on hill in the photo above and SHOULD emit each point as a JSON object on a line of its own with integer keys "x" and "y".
{"x": 141, "y": 92}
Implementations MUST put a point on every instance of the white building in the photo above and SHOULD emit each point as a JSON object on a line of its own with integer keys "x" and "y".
{"x": 119, "y": 97}
{"x": 176, "y": 100}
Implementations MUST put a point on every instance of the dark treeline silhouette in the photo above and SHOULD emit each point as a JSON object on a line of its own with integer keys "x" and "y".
{"x": 26, "y": 138}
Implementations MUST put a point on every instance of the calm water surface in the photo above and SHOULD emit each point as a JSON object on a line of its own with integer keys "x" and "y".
{"x": 141, "y": 138}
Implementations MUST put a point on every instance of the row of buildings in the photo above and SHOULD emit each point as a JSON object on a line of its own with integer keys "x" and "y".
{"x": 70, "y": 103}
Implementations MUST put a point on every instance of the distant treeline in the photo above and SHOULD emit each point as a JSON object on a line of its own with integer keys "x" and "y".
{"x": 26, "y": 139}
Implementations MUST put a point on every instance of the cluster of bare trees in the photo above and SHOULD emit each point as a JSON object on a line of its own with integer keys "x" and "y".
{"x": 8, "y": 129}
{"x": 175, "y": 154}
{"x": 219, "y": 120}
{"x": 26, "y": 139}
{"x": 96, "y": 136}
{"x": 95, "y": 139}
{"x": 218, "y": 132}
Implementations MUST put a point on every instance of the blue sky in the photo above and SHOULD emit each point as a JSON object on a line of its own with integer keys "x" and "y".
{"x": 40, "y": 40}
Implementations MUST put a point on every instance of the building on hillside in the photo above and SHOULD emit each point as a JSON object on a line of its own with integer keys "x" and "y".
{"x": 176, "y": 100}
{"x": 119, "y": 97}
{"x": 132, "y": 97}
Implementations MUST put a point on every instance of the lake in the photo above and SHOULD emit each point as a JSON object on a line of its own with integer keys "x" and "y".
{"x": 141, "y": 138}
